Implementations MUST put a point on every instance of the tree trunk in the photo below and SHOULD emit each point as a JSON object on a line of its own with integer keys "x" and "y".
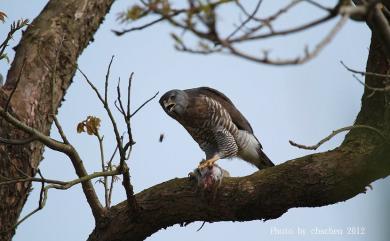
{"x": 49, "y": 50}
{"x": 311, "y": 181}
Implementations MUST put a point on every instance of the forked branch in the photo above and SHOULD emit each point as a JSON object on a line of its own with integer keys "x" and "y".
{"x": 200, "y": 19}
{"x": 124, "y": 147}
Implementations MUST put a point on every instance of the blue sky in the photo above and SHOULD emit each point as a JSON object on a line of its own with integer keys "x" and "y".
{"x": 301, "y": 103}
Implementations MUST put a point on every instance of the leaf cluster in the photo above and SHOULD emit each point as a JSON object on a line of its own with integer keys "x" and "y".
{"x": 90, "y": 125}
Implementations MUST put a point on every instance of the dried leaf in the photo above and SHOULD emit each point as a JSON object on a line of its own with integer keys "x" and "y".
{"x": 166, "y": 7}
{"x": 90, "y": 125}
{"x": 134, "y": 13}
{"x": 2, "y": 16}
{"x": 80, "y": 127}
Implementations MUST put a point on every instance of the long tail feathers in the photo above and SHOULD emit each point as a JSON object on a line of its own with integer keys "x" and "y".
{"x": 263, "y": 161}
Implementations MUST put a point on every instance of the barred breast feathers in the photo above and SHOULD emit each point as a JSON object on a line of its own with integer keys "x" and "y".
{"x": 219, "y": 116}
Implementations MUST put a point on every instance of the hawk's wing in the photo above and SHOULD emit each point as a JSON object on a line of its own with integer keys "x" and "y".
{"x": 237, "y": 118}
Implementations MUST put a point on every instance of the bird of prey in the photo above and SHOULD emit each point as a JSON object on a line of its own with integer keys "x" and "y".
{"x": 215, "y": 124}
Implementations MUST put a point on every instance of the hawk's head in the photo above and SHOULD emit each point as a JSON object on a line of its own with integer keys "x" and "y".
{"x": 174, "y": 102}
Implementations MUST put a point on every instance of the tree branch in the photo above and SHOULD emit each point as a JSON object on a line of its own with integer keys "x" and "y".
{"x": 362, "y": 73}
{"x": 123, "y": 149}
{"x": 17, "y": 142}
{"x": 322, "y": 180}
{"x": 143, "y": 104}
{"x": 55, "y": 184}
{"x": 381, "y": 26}
{"x": 377, "y": 21}
{"x": 335, "y": 132}
{"x": 374, "y": 89}
{"x": 67, "y": 149}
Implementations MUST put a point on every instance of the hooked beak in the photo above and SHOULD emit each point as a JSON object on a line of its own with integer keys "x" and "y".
{"x": 169, "y": 105}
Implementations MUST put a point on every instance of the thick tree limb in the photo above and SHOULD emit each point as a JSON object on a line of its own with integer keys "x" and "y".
{"x": 381, "y": 27}
{"x": 311, "y": 181}
{"x": 378, "y": 22}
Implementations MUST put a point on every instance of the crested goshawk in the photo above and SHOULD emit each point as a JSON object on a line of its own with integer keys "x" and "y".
{"x": 215, "y": 124}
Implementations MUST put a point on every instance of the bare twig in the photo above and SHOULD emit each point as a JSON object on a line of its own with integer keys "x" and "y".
{"x": 41, "y": 202}
{"x": 267, "y": 21}
{"x": 121, "y": 32}
{"x": 30, "y": 179}
{"x": 182, "y": 47}
{"x": 56, "y": 184}
{"x": 91, "y": 85}
{"x": 108, "y": 111}
{"x": 110, "y": 167}
{"x": 122, "y": 163}
{"x": 318, "y": 5}
{"x": 362, "y": 73}
{"x": 334, "y": 133}
{"x": 250, "y": 36}
{"x": 106, "y": 81}
{"x": 60, "y": 130}
{"x": 247, "y": 20}
{"x": 201, "y": 226}
{"x": 119, "y": 100}
{"x": 122, "y": 169}
{"x": 298, "y": 60}
{"x": 62, "y": 185}
{"x": 128, "y": 98}
{"x": 384, "y": 89}
{"x": 146, "y": 102}
{"x": 105, "y": 181}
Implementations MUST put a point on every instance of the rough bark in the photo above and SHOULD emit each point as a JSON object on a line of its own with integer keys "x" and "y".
{"x": 70, "y": 24}
{"x": 311, "y": 181}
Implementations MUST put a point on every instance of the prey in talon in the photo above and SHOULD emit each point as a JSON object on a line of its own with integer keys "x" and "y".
{"x": 216, "y": 125}
{"x": 210, "y": 177}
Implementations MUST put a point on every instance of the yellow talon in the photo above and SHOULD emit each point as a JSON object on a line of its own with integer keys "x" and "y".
{"x": 208, "y": 163}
